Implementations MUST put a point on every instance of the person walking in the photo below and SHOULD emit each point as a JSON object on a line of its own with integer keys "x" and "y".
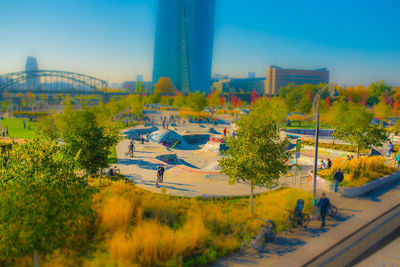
{"x": 323, "y": 165}
{"x": 397, "y": 160}
{"x": 158, "y": 176}
{"x": 233, "y": 134}
{"x": 162, "y": 170}
{"x": 390, "y": 149}
{"x": 338, "y": 178}
{"x": 224, "y": 131}
{"x": 329, "y": 165}
{"x": 323, "y": 205}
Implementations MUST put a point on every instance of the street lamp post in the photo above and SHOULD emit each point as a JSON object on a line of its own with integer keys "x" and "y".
{"x": 317, "y": 100}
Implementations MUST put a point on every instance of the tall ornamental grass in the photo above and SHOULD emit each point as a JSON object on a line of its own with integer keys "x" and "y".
{"x": 359, "y": 171}
{"x": 134, "y": 227}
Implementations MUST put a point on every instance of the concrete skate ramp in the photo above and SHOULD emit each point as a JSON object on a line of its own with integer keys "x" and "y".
{"x": 170, "y": 159}
{"x": 169, "y": 138}
{"x": 196, "y": 139}
{"x": 213, "y": 131}
{"x": 144, "y": 131}
{"x": 213, "y": 167}
{"x": 212, "y": 147}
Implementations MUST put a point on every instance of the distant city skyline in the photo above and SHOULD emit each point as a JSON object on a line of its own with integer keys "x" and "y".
{"x": 357, "y": 41}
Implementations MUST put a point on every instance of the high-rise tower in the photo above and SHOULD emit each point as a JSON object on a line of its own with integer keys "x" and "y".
{"x": 184, "y": 43}
{"x": 32, "y": 80}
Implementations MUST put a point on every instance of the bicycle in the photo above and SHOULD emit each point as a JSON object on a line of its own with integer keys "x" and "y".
{"x": 294, "y": 220}
{"x": 116, "y": 170}
{"x": 332, "y": 210}
{"x": 129, "y": 153}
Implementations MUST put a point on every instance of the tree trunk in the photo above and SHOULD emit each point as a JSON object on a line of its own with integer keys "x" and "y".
{"x": 358, "y": 151}
{"x": 36, "y": 258}
{"x": 251, "y": 197}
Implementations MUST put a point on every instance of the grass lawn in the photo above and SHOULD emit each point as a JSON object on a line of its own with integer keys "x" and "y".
{"x": 112, "y": 158}
{"x": 305, "y": 126}
{"x": 341, "y": 147}
{"x": 16, "y": 128}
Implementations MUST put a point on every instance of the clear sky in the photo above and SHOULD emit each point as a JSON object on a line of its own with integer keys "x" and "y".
{"x": 357, "y": 40}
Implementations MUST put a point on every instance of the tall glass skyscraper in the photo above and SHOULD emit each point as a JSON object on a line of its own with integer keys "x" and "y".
{"x": 184, "y": 43}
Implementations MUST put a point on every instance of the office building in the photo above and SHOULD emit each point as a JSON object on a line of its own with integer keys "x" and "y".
{"x": 32, "y": 80}
{"x": 279, "y": 77}
{"x": 184, "y": 43}
{"x": 129, "y": 86}
{"x": 236, "y": 85}
{"x": 139, "y": 78}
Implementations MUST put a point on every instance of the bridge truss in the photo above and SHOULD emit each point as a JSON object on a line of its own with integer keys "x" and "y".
{"x": 48, "y": 81}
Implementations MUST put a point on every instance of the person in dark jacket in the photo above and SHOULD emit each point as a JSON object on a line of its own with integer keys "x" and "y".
{"x": 323, "y": 205}
{"x": 329, "y": 164}
{"x": 338, "y": 177}
{"x": 162, "y": 170}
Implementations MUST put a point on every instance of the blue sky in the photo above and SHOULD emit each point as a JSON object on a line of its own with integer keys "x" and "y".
{"x": 357, "y": 40}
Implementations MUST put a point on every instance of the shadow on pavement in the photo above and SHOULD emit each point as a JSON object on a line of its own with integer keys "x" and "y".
{"x": 141, "y": 163}
{"x": 374, "y": 195}
{"x": 139, "y": 180}
{"x": 182, "y": 161}
{"x": 281, "y": 246}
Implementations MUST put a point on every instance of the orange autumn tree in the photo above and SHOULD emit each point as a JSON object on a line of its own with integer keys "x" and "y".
{"x": 239, "y": 103}
{"x": 164, "y": 86}
{"x": 396, "y": 106}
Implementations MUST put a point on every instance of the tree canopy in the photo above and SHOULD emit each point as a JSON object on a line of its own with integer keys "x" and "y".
{"x": 164, "y": 86}
{"x": 274, "y": 109}
{"x": 42, "y": 202}
{"x": 352, "y": 124}
{"x": 256, "y": 154}
{"x": 197, "y": 101}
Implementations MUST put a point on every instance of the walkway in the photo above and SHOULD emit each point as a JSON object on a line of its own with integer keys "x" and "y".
{"x": 295, "y": 249}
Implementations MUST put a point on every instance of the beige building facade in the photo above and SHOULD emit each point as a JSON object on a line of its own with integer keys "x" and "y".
{"x": 277, "y": 77}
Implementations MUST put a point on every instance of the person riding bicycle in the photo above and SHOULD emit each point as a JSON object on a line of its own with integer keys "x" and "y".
{"x": 131, "y": 147}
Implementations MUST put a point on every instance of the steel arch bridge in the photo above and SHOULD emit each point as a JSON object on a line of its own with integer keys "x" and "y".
{"x": 50, "y": 81}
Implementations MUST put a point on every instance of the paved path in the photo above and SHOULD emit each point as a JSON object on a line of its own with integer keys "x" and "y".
{"x": 295, "y": 249}
{"x": 388, "y": 256}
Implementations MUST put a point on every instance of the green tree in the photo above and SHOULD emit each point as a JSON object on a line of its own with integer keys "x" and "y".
{"x": 304, "y": 105}
{"x": 382, "y": 110}
{"x": 214, "y": 99}
{"x": 135, "y": 103}
{"x": 47, "y": 128}
{"x": 139, "y": 87}
{"x": 42, "y": 202}
{"x": 197, "y": 101}
{"x": 86, "y": 141}
{"x": 256, "y": 154}
{"x": 352, "y": 123}
{"x": 179, "y": 100}
{"x": 376, "y": 89}
{"x": 273, "y": 109}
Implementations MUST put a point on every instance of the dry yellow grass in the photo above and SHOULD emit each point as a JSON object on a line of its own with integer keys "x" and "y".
{"x": 116, "y": 212}
{"x": 134, "y": 227}
{"x": 359, "y": 171}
